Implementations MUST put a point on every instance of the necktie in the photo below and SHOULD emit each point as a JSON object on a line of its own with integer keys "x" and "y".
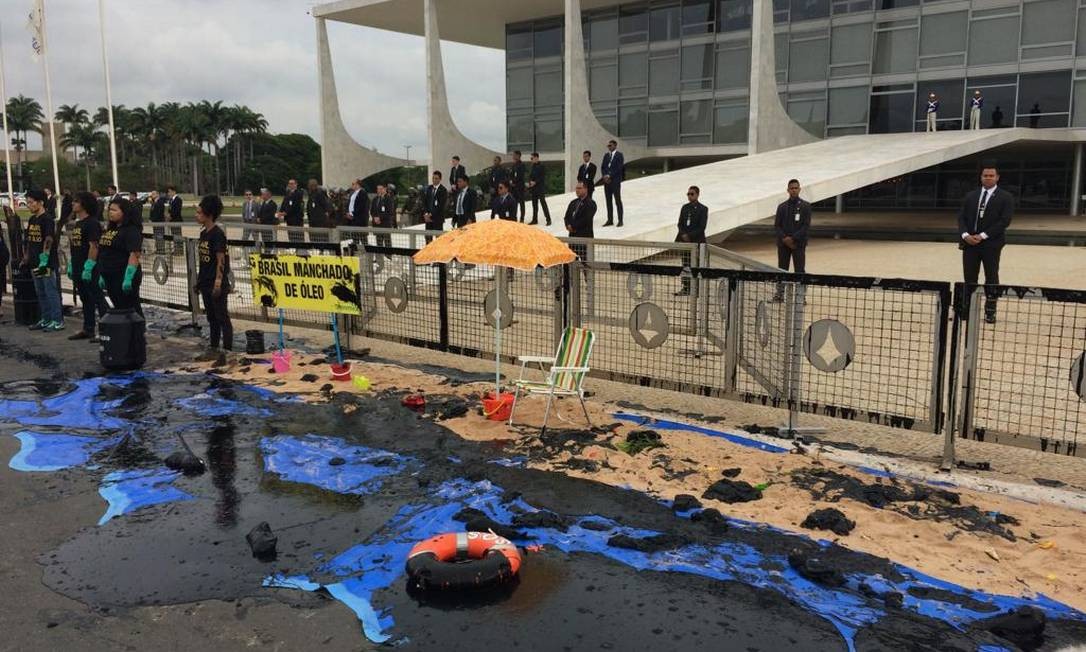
{"x": 460, "y": 202}
{"x": 980, "y": 209}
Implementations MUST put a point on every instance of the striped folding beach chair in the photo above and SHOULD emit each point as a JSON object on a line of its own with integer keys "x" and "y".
{"x": 569, "y": 366}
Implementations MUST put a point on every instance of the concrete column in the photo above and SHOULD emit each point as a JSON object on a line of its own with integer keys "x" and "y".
{"x": 770, "y": 126}
{"x": 342, "y": 158}
{"x": 839, "y": 204}
{"x": 445, "y": 139}
{"x": 1076, "y": 181}
{"x": 582, "y": 129}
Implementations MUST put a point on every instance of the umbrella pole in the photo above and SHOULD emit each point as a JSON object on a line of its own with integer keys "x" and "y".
{"x": 280, "y": 330}
{"x": 499, "y": 277}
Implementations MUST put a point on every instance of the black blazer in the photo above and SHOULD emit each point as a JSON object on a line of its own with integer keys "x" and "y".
{"x": 384, "y": 208}
{"x": 692, "y": 221}
{"x": 360, "y": 209}
{"x": 455, "y": 173}
{"x": 579, "y": 216}
{"x": 158, "y": 210}
{"x": 435, "y": 204}
{"x": 497, "y": 175}
{"x": 175, "y": 209}
{"x": 787, "y": 224}
{"x": 587, "y": 174}
{"x": 517, "y": 174}
{"x": 292, "y": 208}
{"x": 318, "y": 208}
{"x": 470, "y": 199}
{"x": 505, "y": 209}
{"x": 266, "y": 214}
{"x": 538, "y": 176}
{"x": 997, "y": 217}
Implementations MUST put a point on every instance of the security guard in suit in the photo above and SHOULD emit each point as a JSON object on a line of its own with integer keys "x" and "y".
{"x": 518, "y": 177}
{"x": 693, "y": 219}
{"x": 791, "y": 225}
{"x": 504, "y": 207}
{"x": 982, "y": 221}
{"x": 586, "y": 174}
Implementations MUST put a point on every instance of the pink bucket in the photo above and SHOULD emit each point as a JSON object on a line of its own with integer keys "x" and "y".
{"x": 281, "y": 361}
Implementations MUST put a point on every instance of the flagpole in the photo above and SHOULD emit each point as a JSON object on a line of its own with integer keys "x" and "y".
{"x": 49, "y": 99}
{"x": 109, "y": 93}
{"x": 7, "y": 134}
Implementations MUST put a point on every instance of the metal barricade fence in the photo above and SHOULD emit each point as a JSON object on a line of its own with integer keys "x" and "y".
{"x": 874, "y": 350}
{"x": 1023, "y": 376}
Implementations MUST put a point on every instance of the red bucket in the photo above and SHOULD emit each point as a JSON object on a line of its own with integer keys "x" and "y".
{"x": 415, "y": 402}
{"x": 341, "y": 372}
{"x": 498, "y": 408}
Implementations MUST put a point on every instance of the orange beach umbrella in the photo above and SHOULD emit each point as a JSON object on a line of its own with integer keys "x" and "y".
{"x": 502, "y": 243}
{"x": 497, "y": 242}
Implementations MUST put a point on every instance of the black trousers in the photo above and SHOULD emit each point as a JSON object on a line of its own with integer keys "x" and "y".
{"x": 160, "y": 238}
{"x": 973, "y": 258}
{"x": 435, "y": 225}
{"x": 518, "y": 196}
{"x": 120, "y": 299}
{"x": 797, "y": 256}
{"x": 686, "y": 265}
{"x": 218, "y": 319}
{"x": 540, "y": 198}
{"x": 178, "y": 244}
{"x": 90, "y": 296}
{"x": 612, "y": 192}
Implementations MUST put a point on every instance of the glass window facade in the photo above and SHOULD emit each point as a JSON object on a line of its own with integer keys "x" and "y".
{"x": 677, "y": 72}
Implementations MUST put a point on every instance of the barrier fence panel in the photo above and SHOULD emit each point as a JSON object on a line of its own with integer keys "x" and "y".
{"x": 857, "y": 348}
{"x": 1023, "y": 378}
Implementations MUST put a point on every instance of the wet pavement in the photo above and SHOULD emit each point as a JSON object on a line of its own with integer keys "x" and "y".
{"x": 348, "y": 487}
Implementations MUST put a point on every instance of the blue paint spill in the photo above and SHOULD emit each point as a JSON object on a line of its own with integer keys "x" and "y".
{"x": 378, "y": 564}
{"x": 306, "y": 460}
{"x": 128, "y": 491}
{"x": 658, "y": 424}
{"x": 516, "y": 462}
{"x": 41, "y": 451}
{"x": 76, "y": 409}
{"x": 212, "y": 404}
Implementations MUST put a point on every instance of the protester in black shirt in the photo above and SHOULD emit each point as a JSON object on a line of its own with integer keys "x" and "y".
{"x": 119, "y": 257}
{"x": 41, "y": 252}
{"x": 213, "y": 280}
{"x": 83, "y": 262}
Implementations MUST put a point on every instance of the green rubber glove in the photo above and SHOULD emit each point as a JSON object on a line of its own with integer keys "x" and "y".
{"x": 88, "y": 269}
{"x": 43, "y": 260}
{"x": 129, "y": 274}
{"x": 69, "y": 270}
{"x": 101, "y": 284}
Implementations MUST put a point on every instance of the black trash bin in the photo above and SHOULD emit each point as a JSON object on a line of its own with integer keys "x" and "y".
{"x": 123, "y": 340}
{"x": 254, "y": 342}
{"x": 27, "y": 311}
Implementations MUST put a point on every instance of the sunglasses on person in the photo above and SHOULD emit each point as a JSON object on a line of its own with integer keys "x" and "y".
{"x": 691, "y": 194}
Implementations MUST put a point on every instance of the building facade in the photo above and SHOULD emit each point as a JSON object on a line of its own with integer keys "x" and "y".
{"x": 667, "y": 73}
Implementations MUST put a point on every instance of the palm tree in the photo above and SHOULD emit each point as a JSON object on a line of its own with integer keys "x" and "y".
{"x": 71, "y": 115}
{"x": 24, "y": 114}
{"x": 149, "y": 125}
{"x": 87, "y": 136}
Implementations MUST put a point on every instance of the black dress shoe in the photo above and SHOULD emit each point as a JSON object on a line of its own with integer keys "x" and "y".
{"x": 533, "y": 222}
{"x": 80, "y": 336}
{"x": 548, "y": 222}
{"x": 608, "y": 223}
{"x": 683, "y": 293}
{"x": 619, "y": 225}
{"x": 990, "y": 319}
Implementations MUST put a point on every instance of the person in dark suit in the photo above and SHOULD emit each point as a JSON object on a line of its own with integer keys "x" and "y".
{"x": 65, "y": 208}
{"x": 50, "y": 200}
{"x": 433, "y": 208}
{"x": 578, "y": 219}
{"x": 504, "y": 206}
{"x": 267, "y": 216}
{"x": 290, "y": 211}
{"x": 249, "y": 208}
{"x": 173, "y": 215}
{"x": 358, "y": 206}
{"x": 613, "y": 169}
{"x": 137, "y": 206}
{"x": 982, "y": 221}
{"x": 318, "y": 209}
{"x": 518, "y": 176}
{"x": 463, "y": 203}
{"x": 497, "y": 175}
{"x": 792, "y": 223}
{"x": 158, "y": 216}
{"x": 693, "y": 217}
{"x": 537, "y": 186}
{"x": 586, "y": 174}
{"x": 383, "y": 214}
{"x": 456, "y": 170}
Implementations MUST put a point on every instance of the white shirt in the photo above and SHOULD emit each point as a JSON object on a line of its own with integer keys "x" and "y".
{"x": 991, "y": 192}
{"x": 350, "y": 203}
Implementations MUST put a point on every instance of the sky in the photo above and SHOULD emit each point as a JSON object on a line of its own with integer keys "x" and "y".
{"x": 261, "y": 53}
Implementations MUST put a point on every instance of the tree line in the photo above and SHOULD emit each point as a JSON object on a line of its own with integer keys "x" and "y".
{"x": 200, "y": 147}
